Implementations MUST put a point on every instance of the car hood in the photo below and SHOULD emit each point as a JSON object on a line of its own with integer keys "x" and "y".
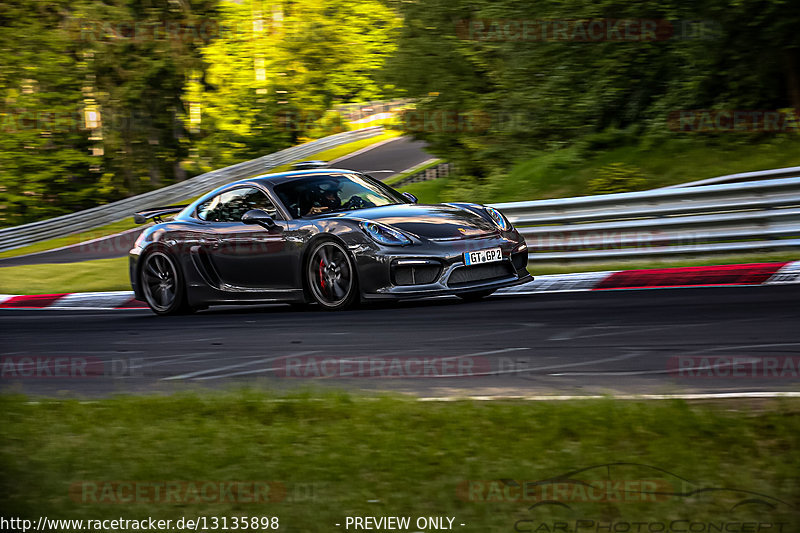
{"x": 428, "y": 221}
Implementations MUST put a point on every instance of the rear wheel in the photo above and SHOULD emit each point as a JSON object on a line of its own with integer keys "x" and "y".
{"x": 475, "y": 296}
{"x": 162, "y": 284}
{"x": 331, "y": 276}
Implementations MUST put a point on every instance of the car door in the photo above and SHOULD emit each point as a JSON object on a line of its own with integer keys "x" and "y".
{"x": 246, "y": 257}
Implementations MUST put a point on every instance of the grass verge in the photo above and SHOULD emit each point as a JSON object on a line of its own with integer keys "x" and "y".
{"x": 567, "y": 172}
{"x": 400, "y": 177}
{"x": 75, "y": 238}
{"x": 428, "y": 192}
{"x": 86, "y": 276}
{"x": 340, "y": 455}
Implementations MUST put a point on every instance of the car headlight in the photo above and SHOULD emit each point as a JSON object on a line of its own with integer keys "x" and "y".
{"x": 384, "y": 234}
{"x": 501, "y": 221}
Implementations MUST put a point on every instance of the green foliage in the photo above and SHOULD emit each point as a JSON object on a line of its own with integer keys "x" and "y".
{"x": 462, "y": 188}
{"x": 542, "y": 95}
{"x": 270, "y": 82}
{"x": 617, "y": 177}
{"x": 101, "y": 94}
{"x": 45, "y": 167}
{"x": 568, "y": 171}
{"x": 175, "y": 104}
{"x": 177, "y": 88}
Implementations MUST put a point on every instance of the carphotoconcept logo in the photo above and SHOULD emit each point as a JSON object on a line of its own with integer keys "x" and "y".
{"x": 564, "y": 502}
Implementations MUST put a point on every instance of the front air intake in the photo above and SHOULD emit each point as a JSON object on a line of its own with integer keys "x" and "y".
{"x": 421, "y": 272}
{"x": 467, "y": 275}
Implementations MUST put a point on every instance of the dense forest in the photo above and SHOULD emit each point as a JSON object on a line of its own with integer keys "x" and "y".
{"x": 545, "y": 89}
{"x": 102, "y": 99}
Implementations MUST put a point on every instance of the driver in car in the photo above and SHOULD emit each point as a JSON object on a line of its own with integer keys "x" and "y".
{"x": 328, "y": 199}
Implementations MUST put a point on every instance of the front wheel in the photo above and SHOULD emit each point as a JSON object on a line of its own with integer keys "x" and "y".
{"x": 331, "y": 276}
{"x": 475, "y": 296}
{"x": 162, "y": 284}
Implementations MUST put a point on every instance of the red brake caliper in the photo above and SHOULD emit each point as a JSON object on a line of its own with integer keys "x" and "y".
{"x": 321, "y": 276}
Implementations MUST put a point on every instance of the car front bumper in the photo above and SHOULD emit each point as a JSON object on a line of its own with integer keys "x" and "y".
{"x": 438, "y": 268}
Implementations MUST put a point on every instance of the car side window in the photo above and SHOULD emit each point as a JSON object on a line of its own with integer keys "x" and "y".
{"x": 229, "y": 206}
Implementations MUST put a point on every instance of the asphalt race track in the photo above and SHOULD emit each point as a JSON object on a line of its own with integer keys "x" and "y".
{"x": 561, "y": 343}
{"x": 397, "y": 155}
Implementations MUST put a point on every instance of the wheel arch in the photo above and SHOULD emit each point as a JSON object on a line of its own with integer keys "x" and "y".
{"x": 187, "y": 304}
{"x": 321, "y": 237}
{"x": 156, "y": 247}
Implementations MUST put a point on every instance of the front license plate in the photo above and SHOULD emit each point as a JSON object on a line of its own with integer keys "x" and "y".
{"x": 483, "y": 256}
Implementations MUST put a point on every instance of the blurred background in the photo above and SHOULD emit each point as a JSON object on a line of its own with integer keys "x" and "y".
{"x": 101, "y": 100}
{"x": 105, "y": 99}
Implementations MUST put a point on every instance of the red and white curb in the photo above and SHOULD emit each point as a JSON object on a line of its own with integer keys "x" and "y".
{"x": 664, "y": 278}
{"x": 76, "y": 300}
{"x": 658, "y": 278}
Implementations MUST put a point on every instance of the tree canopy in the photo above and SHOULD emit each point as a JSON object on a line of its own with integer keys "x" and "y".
{"x": 103, "y": 99}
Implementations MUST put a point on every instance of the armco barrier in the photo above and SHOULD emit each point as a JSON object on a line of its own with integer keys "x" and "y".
{"x": 699, "y": 220}
{"x": 756, "y": 216}
{"x": 105, "y": 214}
{"x": 431, "y": 173}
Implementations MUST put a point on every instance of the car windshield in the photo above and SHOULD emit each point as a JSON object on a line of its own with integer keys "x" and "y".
{"x": 326, "y": 193}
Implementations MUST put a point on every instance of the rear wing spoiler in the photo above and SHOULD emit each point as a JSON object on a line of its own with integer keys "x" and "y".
{"x": 156, "y": 213}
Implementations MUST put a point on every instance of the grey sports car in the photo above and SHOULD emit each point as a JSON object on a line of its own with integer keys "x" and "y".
{"x": 325, "y": 236}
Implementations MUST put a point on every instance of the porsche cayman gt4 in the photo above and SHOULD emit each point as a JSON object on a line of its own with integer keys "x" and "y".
{"x": 322, "y": 236}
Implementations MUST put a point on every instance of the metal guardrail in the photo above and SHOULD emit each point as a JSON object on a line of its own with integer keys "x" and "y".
{"x": 25, "y": 234}
{"x": 696, "y": 220}
{"x": 702, "y": 220}
{"x": 436, "y": 171}
{"x": 789, "y": 172}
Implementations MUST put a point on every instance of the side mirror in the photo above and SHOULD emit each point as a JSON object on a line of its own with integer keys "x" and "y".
{"x": 260, "y": 217}
{"x": 408, "y": 196}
